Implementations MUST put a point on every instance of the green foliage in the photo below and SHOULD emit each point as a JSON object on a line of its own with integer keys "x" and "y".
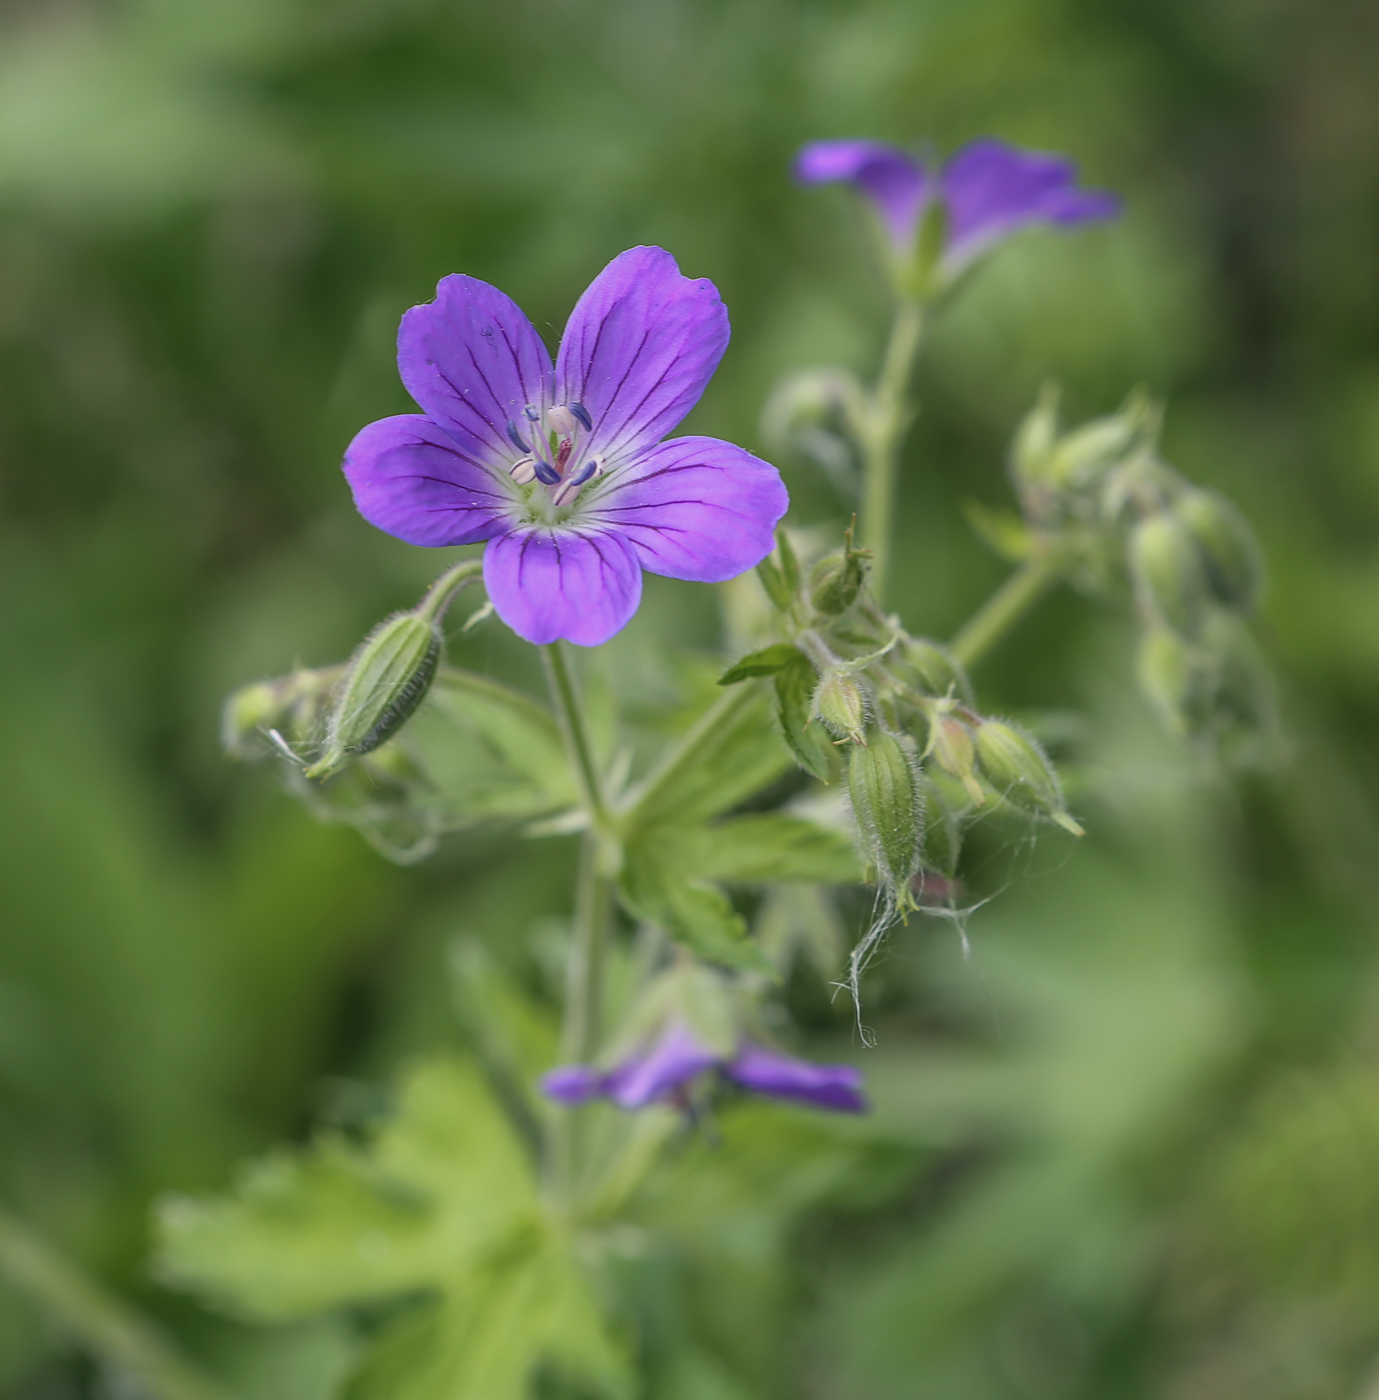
{"x": 441, "y": 1202}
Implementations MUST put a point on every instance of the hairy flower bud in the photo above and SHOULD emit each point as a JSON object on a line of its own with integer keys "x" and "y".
{"x": 888, "y": 808}
{"x": 293, "y": 705}
{"x": 1234, "y": 567}
{"x": 1178, "y": 679}
{"x": 840, "y": 704}
{"x": 1169, "y": 573}
{"x": 1015, "y": 765}
{"x": 836, "y": 581}
{"x": 387, "y": 680}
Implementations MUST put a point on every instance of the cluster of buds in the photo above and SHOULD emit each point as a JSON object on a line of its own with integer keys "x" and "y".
{"x": 893, "y": 717}
{"x": 1120, "y": 519}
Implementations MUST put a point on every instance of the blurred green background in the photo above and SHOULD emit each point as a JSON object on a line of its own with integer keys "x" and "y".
{"x": 1134, "y": 1140}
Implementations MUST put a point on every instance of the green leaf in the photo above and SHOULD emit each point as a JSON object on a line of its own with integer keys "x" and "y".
{"x": 808, "y": 742}
{"x": 439, "y": 1187}
{"x": 1002, "y": 531}
{"x": 698, "y": 915}
{"x": 766, "y": 662}
{"x": 769, "y": 847}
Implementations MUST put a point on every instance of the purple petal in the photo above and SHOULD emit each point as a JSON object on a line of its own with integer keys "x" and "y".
{"x": 673, "y": 1060}
{"x": 694, "y": 508}
{"x": 890, "y": 177}
{"x": 993, "y": 189}
{"x": 771, "y": 1072}
{"x": 473, "y": 361}
{"x": 412, "y": 479}
{"x": 639, "y": 348}
{"x": 572, "y": 1084}
{"x": 557, "y": 583}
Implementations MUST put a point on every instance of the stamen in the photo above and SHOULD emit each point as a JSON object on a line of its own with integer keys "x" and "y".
{"x": 593, "y": 467}
{"x": 545, "y": 472}
{"x": 524, "y": 471}
{"x": 569, "y": 489}
{"x": 582, "y": 413}
{"x": 515, "y": 438}
{"x": 533, "y": 415}
{"x": 561, "y": 420}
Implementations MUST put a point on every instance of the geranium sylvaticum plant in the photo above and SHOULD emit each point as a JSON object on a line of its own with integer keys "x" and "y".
{"x": 492, "y": 1228}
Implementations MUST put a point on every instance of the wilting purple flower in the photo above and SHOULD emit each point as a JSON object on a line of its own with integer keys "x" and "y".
{"x": 668, "y": 1063}
{"x": 562, "y": 468}
{"x": 989, "y": 190}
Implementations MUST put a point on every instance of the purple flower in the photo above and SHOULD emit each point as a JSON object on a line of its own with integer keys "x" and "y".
{"x": 667, "y": 1064}
{"x": 989, "y": 191}
{"x": 562, "y": 469}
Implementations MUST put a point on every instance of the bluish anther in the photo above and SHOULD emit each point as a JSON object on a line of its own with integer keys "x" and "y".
{"x": 582, "y": 413}
{"x": 515, "y": 438}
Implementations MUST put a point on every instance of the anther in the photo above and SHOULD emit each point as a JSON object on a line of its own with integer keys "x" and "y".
{"x": 582, "y": 414}
{"x": 523, "y": 471}
{"x": 533, "y": 415}
{"x": 561, "y": 420}
{"x": 545, "y": 472}
{"x": 593, "y": 467}
{"x": 569, "y": 489}
{"x": 515, "y": 438}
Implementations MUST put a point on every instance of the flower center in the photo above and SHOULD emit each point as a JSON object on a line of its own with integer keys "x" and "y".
{"x": 557, "y": 454}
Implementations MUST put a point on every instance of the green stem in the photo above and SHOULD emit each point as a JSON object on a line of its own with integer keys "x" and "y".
{"x": 570, "y": 712}
{"x": 583, "y": 1028}
{"x": 1006, "y": 606}
{"x": 106, "y": 1326}
{"x": 888, "y": 416}
{"x": 442, "y": 593}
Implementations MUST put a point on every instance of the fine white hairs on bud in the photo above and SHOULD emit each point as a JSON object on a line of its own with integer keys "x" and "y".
{"x": 1015, "y": 765}
{"x": 889, "y": 810}
{"x": 840, "y": 705}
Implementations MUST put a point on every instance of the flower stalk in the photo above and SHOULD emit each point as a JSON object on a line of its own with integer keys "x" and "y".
{"x": 1006, "y": 606}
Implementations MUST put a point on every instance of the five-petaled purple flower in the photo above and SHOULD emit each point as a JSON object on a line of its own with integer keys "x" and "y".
{"x": 562, "y": 469}
{"x": 665, "y": 1065}
{"x": 988, "y": 189}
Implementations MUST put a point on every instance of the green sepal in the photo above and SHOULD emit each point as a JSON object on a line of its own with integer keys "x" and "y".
{"x": 769, "y": 661}
{"x": 808, "y": 742}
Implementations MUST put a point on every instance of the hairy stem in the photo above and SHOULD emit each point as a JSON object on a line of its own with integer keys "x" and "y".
{"x": 1006, "y": 606}
{"x": 570, "y": 712}
{"x": 100, "y": 1322}
{"x": 888, "y": 416}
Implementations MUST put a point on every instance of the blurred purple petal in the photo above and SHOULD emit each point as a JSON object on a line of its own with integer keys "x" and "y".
{"x": 566, "y": 583}
{"x": 572, "y": 1084}
{"x": 412, "y": 479}
{"x": 673, "y": 1060}
{"x": 473, "y": 361}
{"x": 695, "y": 508}
{"x": 766, "y": 1071}
{"x": 993, "y": 190}
{"x": 640, "y": 346}
{"x": 890, "y": 177}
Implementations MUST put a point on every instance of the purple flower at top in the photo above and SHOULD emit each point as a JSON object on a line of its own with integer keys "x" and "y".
{"x": 664, "y": 1066}
{"x": 562, "y": 468}
{"x": 989, "y": 190}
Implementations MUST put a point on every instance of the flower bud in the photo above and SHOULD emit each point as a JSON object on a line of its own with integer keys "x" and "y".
{"x": 1178, "y": 679}
{"x": 387, "y": 680}
{"x": 888, "y": 808}
{"x": 836, "y": 581}
{"x": 1169, "y": 573}
{"x": 950, "y": 745}
{"x": 1015, "y": 765}
{"x": 942, "y": 829}
{"x": 295, "y": 704}
{"x": 933, "y": 669}
{"x": 839, "y": 703}
{"x": 1032, "y": 450}
{"x": 1234, "y": 568}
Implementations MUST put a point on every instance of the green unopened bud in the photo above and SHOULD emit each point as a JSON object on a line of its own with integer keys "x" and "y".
{"x": 836, "y": 581}
{"x": 888, "y": 808}
{"x": 840, "y": 704}
{"x": 1234, "y": 566}
{"x": 292, "y": 706}
{"x": 1031, "y": 452}
{"x": 950, "y": 745}
{"x": 933, "y": 669}
{"x": 1015, "y": 765}
{"x": 1169, "y": 573}
{"x": 1179, "y": 680}
{"x": 387, "y": 680}
{"x": 942, "y": 829}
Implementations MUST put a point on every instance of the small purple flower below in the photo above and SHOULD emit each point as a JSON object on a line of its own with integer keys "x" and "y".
{"x": 666, "y": 1065}
{"x": 989, "y": 191}
{"x": 562, "y": 468}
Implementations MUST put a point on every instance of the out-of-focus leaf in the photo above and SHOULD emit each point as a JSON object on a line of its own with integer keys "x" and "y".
{"x": 768, "y": 847}
{"x": 698, "y": 915}
{"x": 807, "y": 741}
{"x": 442, "y": 1183}
{"x": 765, "y": 662}
{"x": 1002, "y": 531}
